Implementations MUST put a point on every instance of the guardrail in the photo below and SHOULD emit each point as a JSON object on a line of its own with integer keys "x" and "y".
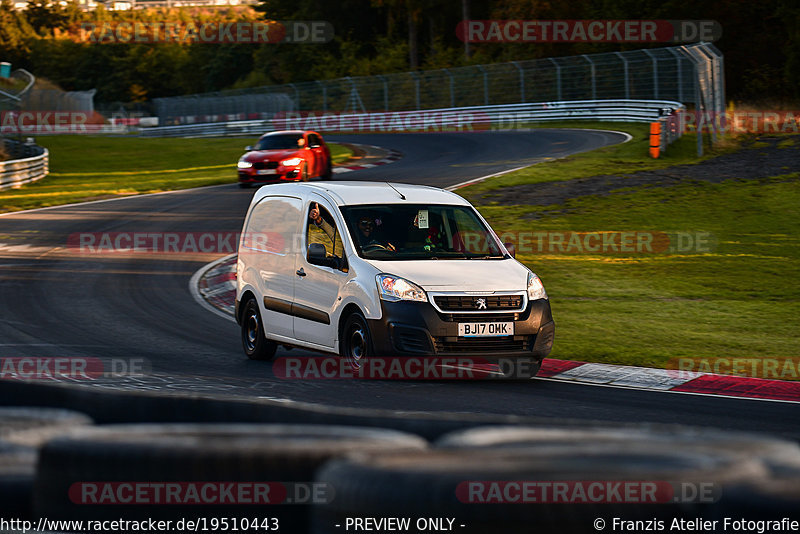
{"x": 17, "y": 172}
{"x": 510, "y": 116}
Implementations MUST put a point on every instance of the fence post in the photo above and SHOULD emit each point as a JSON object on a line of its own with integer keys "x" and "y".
{"x": 452, "y": 89}
{"x": 485, "y": 85}
{"x": 558, "y": 78}
{"x": 324, "y": 96}
{"x": 416, "y": 87}
{"x": 521, "y": 81}
{"x": 296, "y": 95}
{"x": 385, "y": 92}
{"x": 678, "y": 60}
{"x": 655, "y": 73}
{"x": 594, "y": 86}
{"x": 700, "y": 112}
{"x": 625, "y": 71}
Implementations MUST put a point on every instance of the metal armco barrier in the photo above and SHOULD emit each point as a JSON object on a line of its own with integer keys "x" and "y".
{"x": 17, "y": 172}
{"x": 502, "y": 117}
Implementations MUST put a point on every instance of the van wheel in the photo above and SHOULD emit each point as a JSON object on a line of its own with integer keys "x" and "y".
{"x": 304, "y": 173}
{"x": 356, "y": 344}
{"x": 255, "y": 345}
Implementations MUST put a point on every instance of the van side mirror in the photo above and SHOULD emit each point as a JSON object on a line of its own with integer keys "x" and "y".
{"x": 511, "y": 249}
{"x": 317, "y": 254}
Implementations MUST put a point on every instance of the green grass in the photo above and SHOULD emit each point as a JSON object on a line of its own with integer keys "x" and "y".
{"x": 87, "y": 168}
{"x": 738, "y": 298}
{"x": 618, "y": 159}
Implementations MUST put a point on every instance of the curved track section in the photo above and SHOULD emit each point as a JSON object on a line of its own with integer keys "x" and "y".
{"x": 58, "y": 302}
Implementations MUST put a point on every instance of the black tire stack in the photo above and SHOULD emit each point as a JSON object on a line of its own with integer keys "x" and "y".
{"x": 442, "y": 482}
{"x": 199, "y": 453}
{"x": 22, "y": 431}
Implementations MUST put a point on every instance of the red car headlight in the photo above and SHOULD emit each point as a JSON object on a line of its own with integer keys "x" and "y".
{"x": 292, "y": 162}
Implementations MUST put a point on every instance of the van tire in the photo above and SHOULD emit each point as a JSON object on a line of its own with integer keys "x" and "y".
{"x": 356, "y": 341}
{"x": 255, "y": 345}
{"x": 304, "y": 172}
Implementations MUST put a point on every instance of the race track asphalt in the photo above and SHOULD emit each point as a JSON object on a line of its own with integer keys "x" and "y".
{"x": 58, "y": 302}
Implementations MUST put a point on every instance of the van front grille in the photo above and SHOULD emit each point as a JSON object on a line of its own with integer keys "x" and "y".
{"x": 453, "y": 345}
{"x": 478, "y": 302}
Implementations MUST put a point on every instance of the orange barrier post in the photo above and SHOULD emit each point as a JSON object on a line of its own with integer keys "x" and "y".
{"x": 655, "y": 139}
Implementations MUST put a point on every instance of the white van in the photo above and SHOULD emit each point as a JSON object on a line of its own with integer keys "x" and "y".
{"x": 364, "y": 269}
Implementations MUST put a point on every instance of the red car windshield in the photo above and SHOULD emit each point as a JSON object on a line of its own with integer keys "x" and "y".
{"x": 279, "y": 142}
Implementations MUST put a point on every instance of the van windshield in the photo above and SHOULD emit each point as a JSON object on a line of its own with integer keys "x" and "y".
{"x": 419, "y": 231}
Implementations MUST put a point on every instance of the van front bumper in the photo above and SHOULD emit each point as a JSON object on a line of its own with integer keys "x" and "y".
{"x": 408, "y": 328}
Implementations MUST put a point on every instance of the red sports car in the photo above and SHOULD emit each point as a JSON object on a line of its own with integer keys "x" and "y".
{"x": 287, "y": 156}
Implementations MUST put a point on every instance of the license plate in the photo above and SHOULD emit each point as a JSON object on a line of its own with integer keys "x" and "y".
{"x": 485, "y": 329}
{"x": 266, "y": 171}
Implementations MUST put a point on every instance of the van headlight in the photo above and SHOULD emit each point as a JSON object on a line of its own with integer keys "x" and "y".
{"x": 244, "y": 164}
{"x": 394, "y": 288}
{"x": 535, "y": 288}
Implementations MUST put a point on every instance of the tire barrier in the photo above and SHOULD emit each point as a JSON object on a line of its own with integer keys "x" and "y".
{"x": 523, "y": 491}
{"x": 107, "y": 407}
{"x": 21, "y": 431}
{"x": 17, "y": 466}
{"x": 767, "y": 497}
{"x": 762, "y": 500}
{"x": 225, "y": 470}
{"x": 771, "y": 499}
{"x": 771, "y": 451}
{"x": 30, "y": 426}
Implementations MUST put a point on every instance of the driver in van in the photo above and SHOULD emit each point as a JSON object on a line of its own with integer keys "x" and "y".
{"x": 366, "y": 229}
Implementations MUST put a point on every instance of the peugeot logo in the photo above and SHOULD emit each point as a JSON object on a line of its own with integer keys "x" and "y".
{"x": 480, "y": 304}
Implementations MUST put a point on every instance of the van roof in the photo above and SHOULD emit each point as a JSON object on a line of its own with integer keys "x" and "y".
{"x": 346, "y": 193}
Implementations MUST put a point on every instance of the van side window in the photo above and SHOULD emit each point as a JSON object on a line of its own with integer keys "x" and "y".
{"x": 272, "y": 224}
{"x": 324, "y": 232}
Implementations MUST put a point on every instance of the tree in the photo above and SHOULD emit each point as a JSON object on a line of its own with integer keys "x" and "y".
{"x": 45, "y": 15}
{"x": 14, "y": 32}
